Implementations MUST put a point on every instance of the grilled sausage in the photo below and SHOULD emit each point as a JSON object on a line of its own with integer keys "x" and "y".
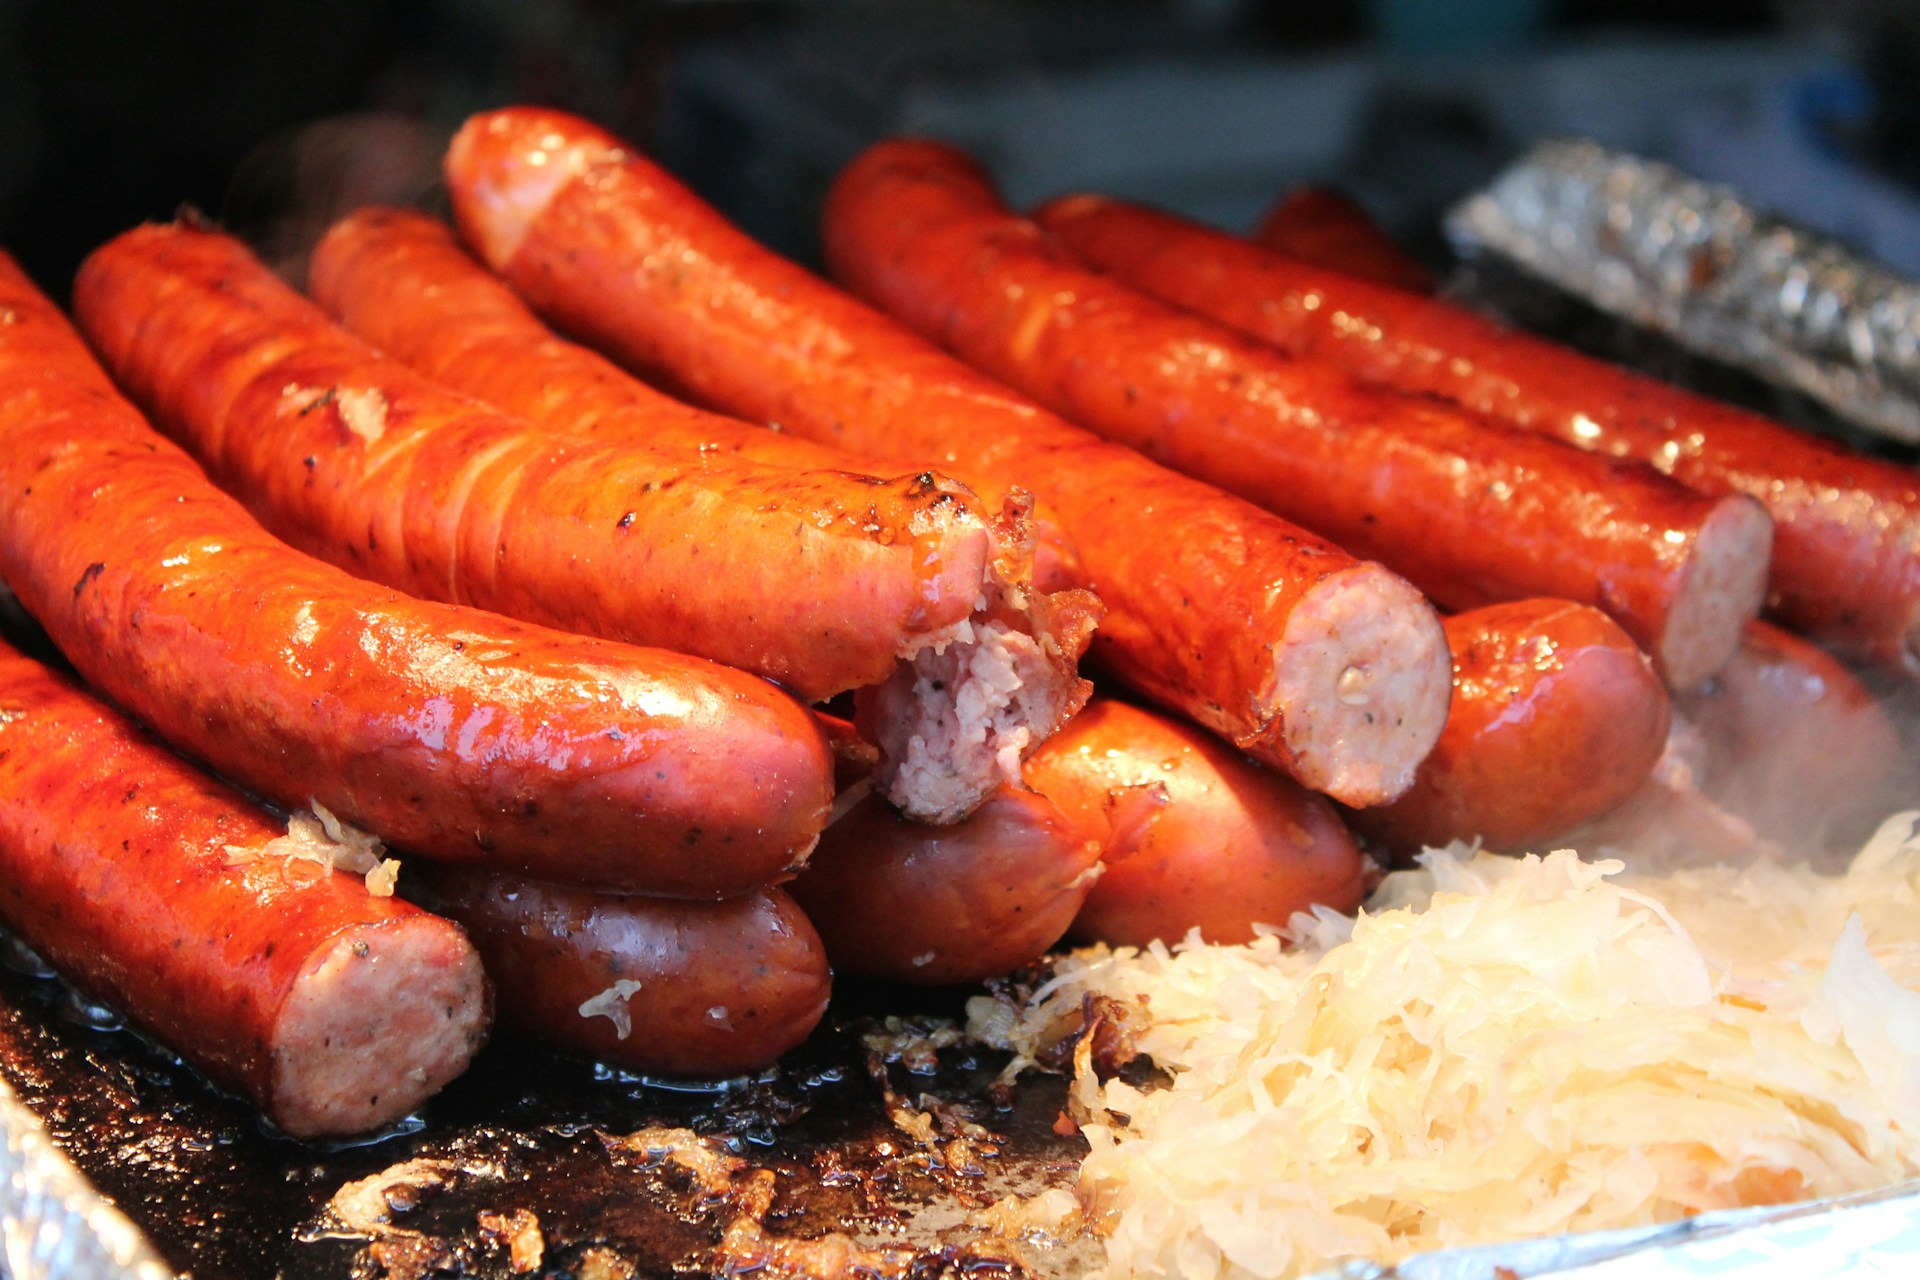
{"x": 696, "y": 989}
{"x": 1794, "y": 743}
{"x": 402, "y": 281}
{"x": 1197, "y": 835}
{"x": 1470, "y": 513}
{"x": 1557, "y": 718}
{"x": 447, "y": 731}
{"x": 822, "y": 580}
{"x": 153, "y": 888}
{"x": 1322, "y": 226}
{"x": 931, "y": 905}
{"x": 1846, "y": 554}
{"x": 1328, "y": 667}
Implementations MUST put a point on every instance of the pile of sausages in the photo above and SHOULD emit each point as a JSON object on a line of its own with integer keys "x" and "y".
{"x": 671, "y": 716}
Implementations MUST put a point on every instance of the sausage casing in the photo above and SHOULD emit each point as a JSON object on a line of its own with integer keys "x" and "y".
{"x": 1244, "y": 622}
{"x": 449, "y": 732}
{"x": 1468, "y": 512}
{"x": 697, "y": 989}
{"x": 1557, "y": 718}
{"x": 1846, "y": 549}
{"x": 143, "y": 881}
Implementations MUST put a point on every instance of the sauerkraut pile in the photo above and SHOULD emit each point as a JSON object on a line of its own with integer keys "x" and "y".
{"x": 1500, "y": 1048}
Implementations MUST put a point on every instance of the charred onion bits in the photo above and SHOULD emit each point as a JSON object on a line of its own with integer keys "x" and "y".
{"x": 1329, "y": 667}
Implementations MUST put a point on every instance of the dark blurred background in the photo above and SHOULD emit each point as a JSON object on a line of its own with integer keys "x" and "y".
{"x": 113, "y": 111}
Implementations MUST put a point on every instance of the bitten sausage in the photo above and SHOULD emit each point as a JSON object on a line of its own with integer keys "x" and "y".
{"x": 930, "y": 905}
{"x": 1557, "y": 718}
{"x": 1197, "y": 835}
{"x": 152, "y": 888}
{"x": 1331, "y": 668}
{"x": 1322, "y": 226}
{"x": 822, "y": 580}
{"x": 698, "y": 989}
{"x": 402, "y": 281}
{"x": 447, "y": 731}
{"x": 1846, "y": 554}
{"x": 1470, "y": 513}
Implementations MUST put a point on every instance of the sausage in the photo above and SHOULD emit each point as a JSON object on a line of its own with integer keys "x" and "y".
{"x": 1846, "y": 555}
{"x": 1471, "y": 514}
{"x": 446, "y": 731}
{"x": 933, "y": 905}
{"x": 1557, "y": 718}
{"x": 1197, "y": 835}
{"x": 821, "y": 580}
{"x": 1795, "y": 744}
{"x": 1322, "y": 226}
{"x": 142, "y": 880}
{"x": 1328, "y": 667}
{"x": 400, "y": 280}
{"x": 702, "y": 990}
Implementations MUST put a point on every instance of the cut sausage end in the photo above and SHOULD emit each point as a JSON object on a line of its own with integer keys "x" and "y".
{"x": 1720, "y": 592}
{"x": 956, "y": 720}
{"x": 1361, "y": 683}
{"x": 379, "y": 1022}
{"x": 508, "y": 165}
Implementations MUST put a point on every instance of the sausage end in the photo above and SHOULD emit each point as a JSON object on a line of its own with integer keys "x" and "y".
{"x": 379, "y": 1022}
{"x": 1720, "y": 592}
{"x": 1361, "y": 683}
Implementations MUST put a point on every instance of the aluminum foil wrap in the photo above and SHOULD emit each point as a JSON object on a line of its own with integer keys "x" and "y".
{"x": 1691, "y": 259}
{"x": 53, "y": 1224}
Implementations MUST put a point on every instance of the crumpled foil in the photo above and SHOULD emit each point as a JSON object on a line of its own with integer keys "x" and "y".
{"x": 1640, "y": 240}
{"x": 53, "y": 1224}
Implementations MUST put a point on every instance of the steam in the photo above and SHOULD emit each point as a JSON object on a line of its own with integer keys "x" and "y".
{"x": 291, "y": 188}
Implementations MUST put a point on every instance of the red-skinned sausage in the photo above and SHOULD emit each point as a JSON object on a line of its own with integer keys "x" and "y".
{"x": 1557, "y": 718}
{"x": 1197, "y": 835}
{"x": 1323, "y": 226}
{"x": 822, "y": 580}
{"x": 402, "y": 281}
{"x": 1794, "y": 743}
{"x": 1846, "y": 556}
{"x": 1331, "y": 668}
{"x": 1471, "y": 513}
{"x": 931, "y": 905}
{"x": 450, "y": 732}
{"x": 144, "y": 882}
{"x": 702, "y": 990}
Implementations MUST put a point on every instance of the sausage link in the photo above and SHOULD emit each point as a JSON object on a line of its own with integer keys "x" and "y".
{"x": 819, "y": 580}
{"x": 1197, "y": 835}
{"x": 447, "y": 731}
{"x": 1469, "y": 513}
{"x": 704, "y": 990}
{"x": 1795, "y": 744}
{"x": 1846, "y": 553}
{"x": 144, "y": 882}
{"x": 906, "y": 902}
{"x": 1322, "y": 226}
{"x": 1330, "y": 668}
{"x": 1557, "y": 718}
{"x": 401, "y": 280}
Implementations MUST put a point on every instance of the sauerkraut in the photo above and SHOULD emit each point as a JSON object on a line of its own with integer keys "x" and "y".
{"x": 1500, "y": 1048}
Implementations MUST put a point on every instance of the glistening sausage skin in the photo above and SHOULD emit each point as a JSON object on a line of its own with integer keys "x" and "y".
{"x": 1331, "y": 668}
{"x": 446, "y": 731}
{"x": 153, "y": 888}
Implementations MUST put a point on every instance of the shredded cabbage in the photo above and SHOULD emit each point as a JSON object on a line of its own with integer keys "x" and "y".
{"x": 1501, "y": 1048}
